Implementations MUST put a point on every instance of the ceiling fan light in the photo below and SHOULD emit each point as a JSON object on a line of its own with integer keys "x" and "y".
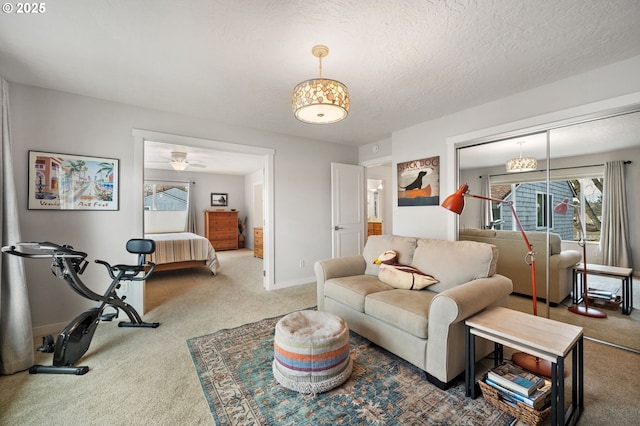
{"x": 179, "y": 165}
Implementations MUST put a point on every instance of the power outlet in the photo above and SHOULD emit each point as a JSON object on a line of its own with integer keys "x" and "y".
{"x": 124, "y": 287}
{"x": 301, "y": 264}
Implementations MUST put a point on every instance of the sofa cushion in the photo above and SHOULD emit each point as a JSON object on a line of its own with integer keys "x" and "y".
{"x": 454, "y": 262}
{"x": 377, "y": 244}
{"x": 405, "y": 309}
{"x": 352, "y": 291}
{"x": 405, "y": 277}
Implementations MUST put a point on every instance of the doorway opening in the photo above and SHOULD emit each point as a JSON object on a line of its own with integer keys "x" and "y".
{"x": 196, "y": 144}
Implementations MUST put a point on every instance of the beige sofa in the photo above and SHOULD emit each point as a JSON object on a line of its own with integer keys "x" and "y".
{"x": 511, "y": 261}
{"x": 425, "y": 327}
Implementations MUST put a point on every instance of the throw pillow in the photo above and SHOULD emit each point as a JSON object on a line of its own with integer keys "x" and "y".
{"x": 404, "y": 277}
{"x": 389, "y": 257}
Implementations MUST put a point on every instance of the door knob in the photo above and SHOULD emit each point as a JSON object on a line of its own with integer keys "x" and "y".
{"x": 337, "y": 228}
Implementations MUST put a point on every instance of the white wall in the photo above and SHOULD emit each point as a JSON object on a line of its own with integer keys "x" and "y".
{"x": 602, "y": 88}
{"x": 53, "y": 121}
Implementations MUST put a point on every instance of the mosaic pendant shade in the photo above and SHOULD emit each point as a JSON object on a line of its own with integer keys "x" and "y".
{"x": 320, "y": 100}
{"x": 521, "y": 164}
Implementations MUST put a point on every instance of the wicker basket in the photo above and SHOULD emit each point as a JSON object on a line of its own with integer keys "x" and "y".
{"x": 523, "y": 413}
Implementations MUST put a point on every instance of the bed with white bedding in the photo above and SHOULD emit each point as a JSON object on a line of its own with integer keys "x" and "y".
{"x": 178, "y": 250}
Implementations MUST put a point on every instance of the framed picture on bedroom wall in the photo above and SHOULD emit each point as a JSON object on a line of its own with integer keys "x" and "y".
{"x": 72, "y": 182}
{"x": 219, "y": 199}
{"x": 419, "y": 182}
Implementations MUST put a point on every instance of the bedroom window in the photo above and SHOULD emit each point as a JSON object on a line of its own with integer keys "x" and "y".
{"x": 166, "y": 196}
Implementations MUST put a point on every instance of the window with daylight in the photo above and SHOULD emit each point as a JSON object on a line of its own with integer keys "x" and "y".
{"x": 166, "y": 196}
{"x": 544, "y": 219}
{"x": 587, "y": 200}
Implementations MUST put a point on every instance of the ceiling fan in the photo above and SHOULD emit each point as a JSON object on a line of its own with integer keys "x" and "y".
{"x": 178, "y": 161}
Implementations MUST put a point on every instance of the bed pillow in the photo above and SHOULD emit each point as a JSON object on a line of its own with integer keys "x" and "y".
{"x": 404, "y": 277}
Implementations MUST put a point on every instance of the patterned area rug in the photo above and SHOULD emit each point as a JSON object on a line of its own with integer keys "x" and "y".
{"x": 234, "y": 368}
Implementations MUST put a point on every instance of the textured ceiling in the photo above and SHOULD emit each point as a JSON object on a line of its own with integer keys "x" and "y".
{"x": 237, "y": 61}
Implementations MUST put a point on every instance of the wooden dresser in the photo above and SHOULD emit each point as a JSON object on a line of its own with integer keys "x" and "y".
{"x": 257, "y": 243}
{"x": 221, "y": 228}
{"x": 374, "y": 228}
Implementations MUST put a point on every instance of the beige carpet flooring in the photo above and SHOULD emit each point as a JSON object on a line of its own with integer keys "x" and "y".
{"x": 147, "y": 377}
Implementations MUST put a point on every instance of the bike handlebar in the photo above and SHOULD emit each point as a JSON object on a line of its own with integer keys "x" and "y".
{"x": 53, "y": 250}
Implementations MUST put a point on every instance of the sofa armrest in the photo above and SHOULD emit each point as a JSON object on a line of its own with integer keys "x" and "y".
{"x": 336, "y": 268}
{"x": 447, "y": 313}
{"x": 461, "y": 302}
{"x": 565, "y": 259}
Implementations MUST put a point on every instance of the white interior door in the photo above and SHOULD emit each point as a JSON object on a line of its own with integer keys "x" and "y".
{"x": 348, "y": 192}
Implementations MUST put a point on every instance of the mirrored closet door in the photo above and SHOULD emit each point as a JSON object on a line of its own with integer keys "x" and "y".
{"x": 555, "y": 180}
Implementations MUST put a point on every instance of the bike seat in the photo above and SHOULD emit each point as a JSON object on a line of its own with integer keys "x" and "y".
{"x": 141, "y": 247}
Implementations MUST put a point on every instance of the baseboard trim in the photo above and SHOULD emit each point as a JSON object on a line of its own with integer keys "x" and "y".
{"x": 293, "y": 283}
{"x": 613, "y": 345}
{"x": 45, "y": 330}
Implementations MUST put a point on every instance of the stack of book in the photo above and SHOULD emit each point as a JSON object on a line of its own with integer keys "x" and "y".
{"x": 515, "y": 384}
{"x": 604, "y": 299}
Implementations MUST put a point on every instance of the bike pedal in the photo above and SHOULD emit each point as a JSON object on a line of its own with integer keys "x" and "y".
{"x": 47, "y": 345}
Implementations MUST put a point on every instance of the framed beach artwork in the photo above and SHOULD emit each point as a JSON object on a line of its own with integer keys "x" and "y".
{"x": 72, "y": 182}
{"x": 419, "y": 182}
{"x": 219, "y": 199}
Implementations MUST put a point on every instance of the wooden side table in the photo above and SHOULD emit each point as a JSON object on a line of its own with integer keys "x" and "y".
{"x": 541, "y": 337}
{"x": 626, "y": 274}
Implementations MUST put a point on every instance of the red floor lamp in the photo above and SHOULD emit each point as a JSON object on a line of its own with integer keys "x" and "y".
{"x": 585, "y": 310}
{"x": 455, "y": 203}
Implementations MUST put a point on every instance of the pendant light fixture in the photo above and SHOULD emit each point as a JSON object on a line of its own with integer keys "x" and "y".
{"x": 320, "y": 101}
{"x": 522, "y": 164}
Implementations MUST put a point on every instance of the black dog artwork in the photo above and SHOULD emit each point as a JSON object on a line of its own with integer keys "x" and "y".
{"x": 417, "y": 183}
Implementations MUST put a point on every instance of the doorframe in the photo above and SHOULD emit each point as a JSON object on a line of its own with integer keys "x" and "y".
{"x": 140, "y": 136}
{"x": 379, "y": 161}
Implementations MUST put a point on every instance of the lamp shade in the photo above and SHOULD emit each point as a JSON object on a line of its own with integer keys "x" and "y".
{"x": 320, "y": 101}
{"x": 522, "y": 164}
{"x": 561, "y": 208}
{"x": 455, "y": 201}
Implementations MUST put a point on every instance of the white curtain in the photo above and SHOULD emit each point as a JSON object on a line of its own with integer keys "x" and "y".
{"x": 487, "y": 211}
{"x": 614, "y": 238}
{"x": 16, "y": 339}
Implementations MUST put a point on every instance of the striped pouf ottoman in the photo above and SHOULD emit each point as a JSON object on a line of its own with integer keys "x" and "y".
{"x": 311, "y": 352}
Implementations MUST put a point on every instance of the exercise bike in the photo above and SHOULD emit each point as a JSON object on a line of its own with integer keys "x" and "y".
{"x": 67, "y": 264}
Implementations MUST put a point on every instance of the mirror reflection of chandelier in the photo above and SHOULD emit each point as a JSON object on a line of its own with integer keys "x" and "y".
{"x": 320, "y": 101}
{"x": 522, "y": 164}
